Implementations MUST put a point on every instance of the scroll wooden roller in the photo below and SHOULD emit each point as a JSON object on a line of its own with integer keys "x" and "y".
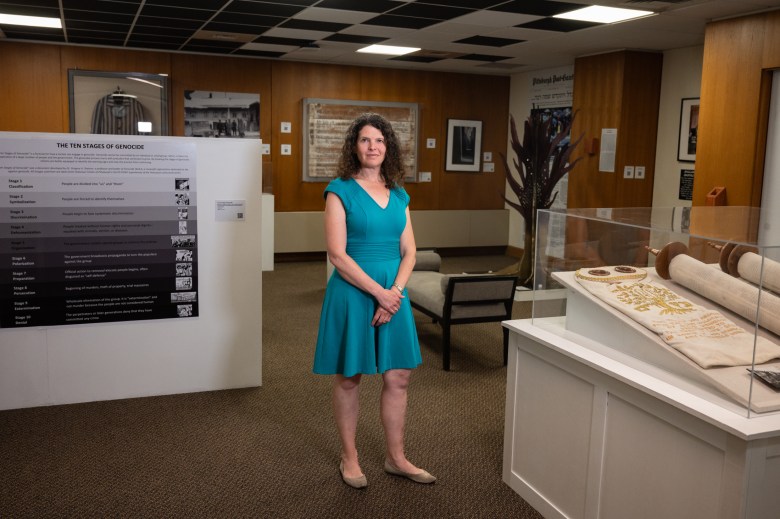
{"x": 673, "y": 262}
{"x": 745, "y": 262}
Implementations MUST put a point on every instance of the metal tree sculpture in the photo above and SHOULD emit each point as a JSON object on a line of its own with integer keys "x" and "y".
{"x": 542, "y": 160}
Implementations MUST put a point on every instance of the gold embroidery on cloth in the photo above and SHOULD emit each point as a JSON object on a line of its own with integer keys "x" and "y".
{"x": 643, "y": 297}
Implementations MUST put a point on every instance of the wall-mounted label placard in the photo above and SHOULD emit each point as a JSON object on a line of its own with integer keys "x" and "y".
{"x": 230, "y": 210}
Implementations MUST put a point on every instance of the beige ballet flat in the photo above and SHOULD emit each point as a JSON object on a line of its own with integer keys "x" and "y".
{"x": 421, "y": 477}
{"x": 358, "y": 482}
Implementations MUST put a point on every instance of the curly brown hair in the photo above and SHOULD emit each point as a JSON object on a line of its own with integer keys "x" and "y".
{"x": 392, "y": 170}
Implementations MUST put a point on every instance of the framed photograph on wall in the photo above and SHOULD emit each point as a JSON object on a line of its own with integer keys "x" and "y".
{"x": 118, "y": 103}
{"x": 464, "y": 145}
{"x": 689, "y": 127}
{"x": 325, "y": 121}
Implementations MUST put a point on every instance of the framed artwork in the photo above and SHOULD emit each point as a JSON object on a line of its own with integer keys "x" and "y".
{"x": 464, "y": 145}
{"x": 118, "y": 103}
{"x": 325, "y": 122}
{"x": 689, "y": 126}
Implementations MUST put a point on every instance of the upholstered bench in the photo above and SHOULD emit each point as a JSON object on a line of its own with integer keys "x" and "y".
{"x": 459, "y": 298}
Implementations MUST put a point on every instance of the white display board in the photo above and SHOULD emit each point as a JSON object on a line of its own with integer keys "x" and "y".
{"x": 221, "y": 348}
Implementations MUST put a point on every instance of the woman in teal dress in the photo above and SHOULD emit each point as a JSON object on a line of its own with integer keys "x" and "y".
{"x": 366, "y": 324}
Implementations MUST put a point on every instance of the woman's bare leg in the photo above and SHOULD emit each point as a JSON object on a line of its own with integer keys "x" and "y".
{"x": 393, "y": 413}
{"x": 346, "y": 391}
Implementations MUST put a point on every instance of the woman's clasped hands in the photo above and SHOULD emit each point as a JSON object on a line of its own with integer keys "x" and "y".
{"x": 389, "y": 302}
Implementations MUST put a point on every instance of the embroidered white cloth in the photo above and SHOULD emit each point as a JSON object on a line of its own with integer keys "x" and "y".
{"x": 705, "y": 336}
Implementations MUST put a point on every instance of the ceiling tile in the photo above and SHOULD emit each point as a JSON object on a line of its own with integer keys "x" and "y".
{"x": 157, "y": 21}
{"x": 23, "y": 31}
{"x": 374, "y": 6}
{"x": 405, "y": 22}
{"x": 258, "y": 53}
{"x": 416, "y": 59}
{"x": 235, "y": 28}
{"x": 353, "y": 38}
{"x": 300, "y": 34}
{"x": 177, "y": 13}
{"x": 121, "y": 28}
{"x": 312, "y": 25}
{"x": 471, "y": 4}
{"x": 53, "y": 4}
{"x": 436, "y": 12}
{"x": 495, "y": 18}
{"x": 334, "y": 15}
{"x": 169, "y": 31}
{"x": 537, "y": 7}
{"x": 212, "y": 45}
{"x": 102, "y": 6}
{"x": 483, "y": 57}
{"x": 156, "y": 38}
{"x": 283, "y": 10}
{"x": 558, "y": 24}
{"x": 96, "y": 40}
{"x": 248, "y": 19}
{"x": 487, "y": 40}
{"x": 27, "y": 10}
{"x": 193, "y": 4}
{"x": 94, "y": 16}
{"x": 288, "y": 42}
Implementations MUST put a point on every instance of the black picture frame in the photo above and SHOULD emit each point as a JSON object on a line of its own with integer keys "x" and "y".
{"x": 464, "y": 145}
{"x": 689, "y": 126}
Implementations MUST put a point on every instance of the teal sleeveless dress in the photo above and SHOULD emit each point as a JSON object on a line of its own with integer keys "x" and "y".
{"x": 347, "y": 344}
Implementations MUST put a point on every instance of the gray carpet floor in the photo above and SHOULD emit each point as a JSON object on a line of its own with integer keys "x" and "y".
{"x": 273, "y": 451}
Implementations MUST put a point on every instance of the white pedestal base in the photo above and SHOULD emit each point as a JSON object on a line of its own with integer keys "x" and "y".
{"x": 589, "y": 437}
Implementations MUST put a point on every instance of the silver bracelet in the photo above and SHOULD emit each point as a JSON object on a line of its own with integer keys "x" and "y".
{"x": 399, "y": 287}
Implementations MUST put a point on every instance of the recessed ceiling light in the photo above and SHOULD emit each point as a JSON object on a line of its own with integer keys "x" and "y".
{"x": 388, "y": 49}
{"x": 601, "y": 14}
{"x": 32, "y": 21}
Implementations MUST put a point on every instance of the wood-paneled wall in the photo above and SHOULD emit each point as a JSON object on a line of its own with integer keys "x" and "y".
{"x": 738, "y": 56}
{"x": 35, "y": 98}
{"x": 619, "y": 90}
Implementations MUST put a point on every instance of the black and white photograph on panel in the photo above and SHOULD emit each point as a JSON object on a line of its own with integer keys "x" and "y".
{"x": 221, "y": 114}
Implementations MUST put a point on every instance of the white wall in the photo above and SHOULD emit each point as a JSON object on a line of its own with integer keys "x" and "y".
{"x": 220, "y": 349}
{"x": 681, "y": 79}
{"x": 769, "y": 232}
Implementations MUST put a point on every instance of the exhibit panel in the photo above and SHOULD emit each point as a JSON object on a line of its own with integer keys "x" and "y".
{"x": 642, "y": 397}
{"x": 175, "y": 302}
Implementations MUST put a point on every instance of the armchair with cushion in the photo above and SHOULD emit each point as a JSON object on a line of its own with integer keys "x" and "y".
{"x": 459, "y": 298}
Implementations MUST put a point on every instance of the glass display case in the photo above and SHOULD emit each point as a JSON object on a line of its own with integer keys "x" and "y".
{"x": 688, "y": 295}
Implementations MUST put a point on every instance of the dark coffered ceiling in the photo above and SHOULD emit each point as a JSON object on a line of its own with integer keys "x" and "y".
{"x": 474, "y": 36}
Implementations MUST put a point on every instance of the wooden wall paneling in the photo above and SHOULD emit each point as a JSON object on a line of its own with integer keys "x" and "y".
{"x": 771, "y": 54}
{"x": 598, "y": 97}
{"x": 423, "y": 88}
{"x": 638, "y": 127}
{"x": 475, "y": 98}
{"x": 34, "y": 99}
{"x": 291, "y": 83}
{"x": 33, "y": 95}
{"x": 728, "y": 114}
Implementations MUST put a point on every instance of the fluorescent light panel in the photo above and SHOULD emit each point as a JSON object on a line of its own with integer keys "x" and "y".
{"x": 31, "y": 21}
{"x": 388, "y": 50}
{"x": 601, "y": 14}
